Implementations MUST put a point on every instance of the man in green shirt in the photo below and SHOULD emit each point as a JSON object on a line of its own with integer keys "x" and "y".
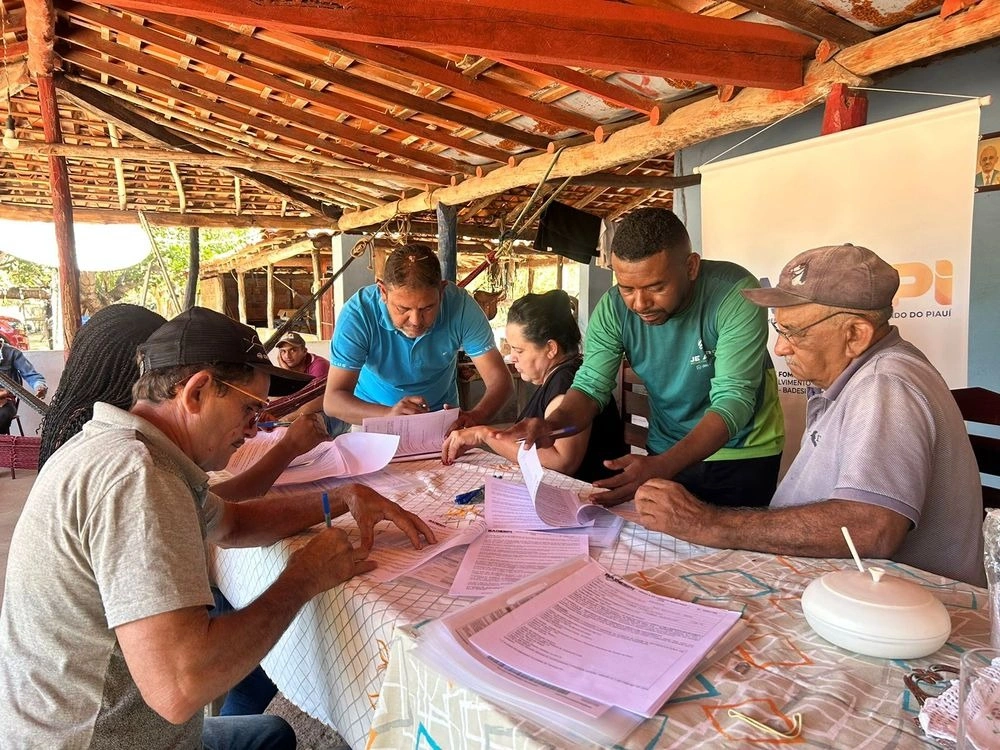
{"x": 700, "y": 348}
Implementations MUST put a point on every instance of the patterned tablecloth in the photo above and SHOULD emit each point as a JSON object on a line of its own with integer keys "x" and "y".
{"x": 783, "y": 668}
{"x": 333, "y": 658}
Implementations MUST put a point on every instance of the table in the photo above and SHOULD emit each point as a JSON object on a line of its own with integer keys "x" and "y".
{"x": 783, "y": 668}
{"x": 333, "y": 658}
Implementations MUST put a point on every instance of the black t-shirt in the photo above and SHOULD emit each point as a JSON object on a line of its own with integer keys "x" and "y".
{"x": 607, "y": 434}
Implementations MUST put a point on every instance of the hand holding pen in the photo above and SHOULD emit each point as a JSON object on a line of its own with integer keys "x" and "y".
{"x": 535, "y": 431}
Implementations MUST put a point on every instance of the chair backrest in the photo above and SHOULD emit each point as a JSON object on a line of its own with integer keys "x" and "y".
{"x": 981, "y": 410}
{"x": 634, "y": 404}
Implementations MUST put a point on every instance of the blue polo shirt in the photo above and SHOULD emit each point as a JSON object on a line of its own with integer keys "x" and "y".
{"x": 391, "y": 364}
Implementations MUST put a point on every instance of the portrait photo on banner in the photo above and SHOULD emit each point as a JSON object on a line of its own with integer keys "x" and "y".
{"x": 988, "y": 163}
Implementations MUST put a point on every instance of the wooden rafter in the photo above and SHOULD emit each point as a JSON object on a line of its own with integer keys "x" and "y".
{"x": 811, "y": 18}
{"x": 291, "y": 132}
{"x": 107, "y": 108}
{"x": 289, "y": 60}
{"x": 581, "y": 33}
{"x": 323, "y": 124}
{"x": 616, "y": 95}
{"x": 339, "y": 102}
{"x": 119, "y": 153}
{"x": 418, "y": 67}
{"x": 213, "y": 136}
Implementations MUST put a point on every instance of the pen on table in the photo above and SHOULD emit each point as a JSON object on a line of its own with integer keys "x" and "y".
{"x": 272, "y": 425}
{"x": 326, "y": 509}
{"x": 561, "y": 432}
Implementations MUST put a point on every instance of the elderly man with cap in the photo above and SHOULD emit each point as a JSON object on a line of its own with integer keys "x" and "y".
{"x": 104, "y": 627}
{"x": 885, "y": 451}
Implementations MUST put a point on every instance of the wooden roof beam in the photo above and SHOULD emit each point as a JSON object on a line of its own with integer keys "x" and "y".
{"x": 167, "y": 219}
{"x": 608, "y": 92}
{"x": 710, "y": 118}
{"x": 107, "y": 108}
{"x": 579, "y": 33}
{"x": 318, "y": 123}
{"x": 482, "y": 88}
{"x": 140, "y": 154}
{"x": 211, "y": 134}
{"x": 339, "y": 102}
{"x": 275, "y": 54}
{"x": 812, "y": 19}
{"x": 291, "y": 131}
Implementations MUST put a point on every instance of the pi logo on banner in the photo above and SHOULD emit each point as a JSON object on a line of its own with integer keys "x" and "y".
{"x": 916, "y": 279}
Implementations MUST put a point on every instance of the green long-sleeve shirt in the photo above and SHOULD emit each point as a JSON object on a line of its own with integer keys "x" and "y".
{"x": 710, "y": 357}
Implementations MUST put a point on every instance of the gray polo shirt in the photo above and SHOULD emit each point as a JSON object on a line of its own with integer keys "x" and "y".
{"x": 888, "y": 432}
{"x": 112, "y": 532}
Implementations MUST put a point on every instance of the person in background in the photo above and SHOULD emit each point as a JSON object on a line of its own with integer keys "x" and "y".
{"x": 293, "y": 355}
{"x": 110, "y": 547}
{"x": 700, "y": 348}
{"x": 544, "y": 342}
{"x": 395, "y": 347}
{"x": 16, "y": 366}
{"x": 885, "y": 451}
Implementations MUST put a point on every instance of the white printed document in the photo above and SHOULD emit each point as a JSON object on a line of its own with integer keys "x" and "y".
{"x": 348, "y": 455}
{"x": 420, "y": 435}
{"x": 510, "y": 506}
{"x": 599, "y": 636}
{"x": 396, "y": 556}
{"x": 498, "y": 559}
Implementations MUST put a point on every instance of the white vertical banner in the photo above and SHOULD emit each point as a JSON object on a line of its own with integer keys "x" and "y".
{"x": 902, "y": 188}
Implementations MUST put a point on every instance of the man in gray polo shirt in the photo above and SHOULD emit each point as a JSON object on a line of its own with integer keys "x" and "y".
{"x": 104, "y": 629}
{"x": 885, "y": 451}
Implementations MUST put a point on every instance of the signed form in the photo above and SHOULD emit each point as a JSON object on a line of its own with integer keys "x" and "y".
{"x": 603, "y": 638}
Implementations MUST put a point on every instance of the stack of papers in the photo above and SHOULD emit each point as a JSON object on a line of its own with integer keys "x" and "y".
{"x": 420, "y": 435}
{"x": 578, "y": 650}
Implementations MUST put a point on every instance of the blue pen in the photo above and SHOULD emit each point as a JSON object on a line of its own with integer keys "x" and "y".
{"x": 272, "y": 425}
{"x": 326, "y": 509}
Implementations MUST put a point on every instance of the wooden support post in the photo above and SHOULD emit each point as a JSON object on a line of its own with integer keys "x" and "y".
{"x": 317, "y": 283}
{"x": 559, "y": 273}
{"x": 194, "y": 266}
{"x": 241, "y": 296}
{"x": 326, "y": 324}
{"x": 62, "y": 213}
{"x": 270, "y": 295}
{"x": 119, "y": 169}
{"x": 447, "y": 219}
{"x": 845, "y": 109}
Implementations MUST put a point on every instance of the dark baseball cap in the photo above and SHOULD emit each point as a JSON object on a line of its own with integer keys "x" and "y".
{"x": 292, "y": 338}
{"x": 837, "y": 275}
{"x": 202, "y": 336}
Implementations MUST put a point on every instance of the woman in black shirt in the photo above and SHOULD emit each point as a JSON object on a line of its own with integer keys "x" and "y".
{"x": 544, "y": 341}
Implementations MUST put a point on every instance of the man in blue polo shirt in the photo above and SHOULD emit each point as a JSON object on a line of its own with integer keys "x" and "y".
{"x": 395, "y": 347}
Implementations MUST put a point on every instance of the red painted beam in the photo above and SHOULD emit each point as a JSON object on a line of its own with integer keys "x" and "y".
{"x": 845, "y": 109}
{"x": 581, "y": 33}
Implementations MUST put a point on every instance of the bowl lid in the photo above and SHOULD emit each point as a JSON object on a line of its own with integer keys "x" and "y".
{"x": 874, "y": 588}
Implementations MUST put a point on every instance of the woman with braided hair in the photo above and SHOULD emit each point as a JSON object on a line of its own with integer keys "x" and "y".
{"x": 101, "y": 367}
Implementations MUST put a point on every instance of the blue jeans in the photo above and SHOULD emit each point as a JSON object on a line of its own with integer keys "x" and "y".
{"x": 247, "y": 733}
{"x": 251, "y": 694}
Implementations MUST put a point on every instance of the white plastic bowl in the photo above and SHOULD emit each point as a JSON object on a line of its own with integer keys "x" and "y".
{"x": 876, "y": 615}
